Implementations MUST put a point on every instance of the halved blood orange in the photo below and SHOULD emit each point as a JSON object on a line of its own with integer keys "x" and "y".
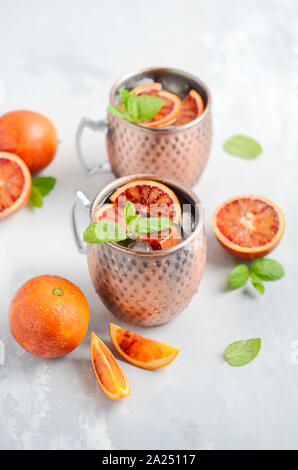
{"x": 110, "y": 213}
{"x": 168, "y": 112}
{"x": 163, "y": 239}
{"x": 108, "y": 373}
{"x": 15, "y": 183}
{"x": 248, "y": 226}
{"x": 150, "y": 198}
{"x": 192, "y": 107}
{"x": 139, "y": 351}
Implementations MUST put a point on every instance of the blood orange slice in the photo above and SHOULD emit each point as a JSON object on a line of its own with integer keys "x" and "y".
{"x": 108, "y": 373}
{"x": 15, "y": 183}
{"x": 139, "y": 351}
{"x": 162, "y": 240}
{"x": 192, "y": 107}
{"x": 168, "y": 112}
{"x": 110, "y": 213}
{"x": 248, "y": 226}
{"x": 150, "y": 198}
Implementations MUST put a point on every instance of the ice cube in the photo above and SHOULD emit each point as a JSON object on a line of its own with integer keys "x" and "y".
{"x": 187, "y": 223}
{"x": 140, "y": 246}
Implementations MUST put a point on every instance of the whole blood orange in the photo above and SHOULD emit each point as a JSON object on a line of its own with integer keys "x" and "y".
{"x": 49, "y": 316}
{"x": 168, "y": 112}
{"x": 139, "y": 351}
{"x": 248, "y": 226}
{"x": 29, "y": 135}
{"x": 15, "y": 183}
{"x": 109, "y": 375}
{"x": 150, "y": 198}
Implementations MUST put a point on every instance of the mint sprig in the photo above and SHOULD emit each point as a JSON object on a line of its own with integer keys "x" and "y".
{"x": 242, "y": 352}
{"x": 103, "y": 231}
{"x": 137, "y": 108}
{"x": 262, "y": 269}
{"x": 41, "y": 187}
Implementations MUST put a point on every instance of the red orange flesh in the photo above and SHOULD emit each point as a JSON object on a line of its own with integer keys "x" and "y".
{"x": 162, "y": 240}
{"x": 15, "y": 184}
{"x": 192, "y": 107}
{"x": 139, "y": 351}
{"x": 110, "y": 213}
{"x": 150, "y": 198}
{"x": 248, "y": 226}
{"x": 109, "y": 375}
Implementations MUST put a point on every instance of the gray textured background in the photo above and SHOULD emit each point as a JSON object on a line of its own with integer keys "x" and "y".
{"x": 61, "y": 58}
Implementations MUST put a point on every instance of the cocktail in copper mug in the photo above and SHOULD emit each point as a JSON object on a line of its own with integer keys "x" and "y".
{"x": 179, "y": 152}
{"x": 145, "y": 288}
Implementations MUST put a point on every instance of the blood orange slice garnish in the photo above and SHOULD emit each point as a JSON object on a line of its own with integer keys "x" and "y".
{"x": 168, "y": 112}
{"x": 162, "y": 240}
{"x": 108, "y": 373}
{"x": 15, "y": 183}
{"x": 248, "y": 226}
{"x": 139, "y": 351}
{"x": 192, "y": 107}
{"x": 110, "y": 213}
{"x": 150, "y": 198}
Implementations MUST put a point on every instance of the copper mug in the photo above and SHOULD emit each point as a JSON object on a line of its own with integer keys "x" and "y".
{"x": 145, "y": 288}
{"x": 179, "y": 152}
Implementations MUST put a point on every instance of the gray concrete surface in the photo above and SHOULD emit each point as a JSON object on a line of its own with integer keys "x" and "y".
{"x": 61, "y": 58}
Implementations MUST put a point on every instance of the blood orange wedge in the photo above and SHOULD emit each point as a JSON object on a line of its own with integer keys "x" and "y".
{"x": 108, "y": 373}
{"x": 110, "y": 213}
{"x": 168, "y": 112}
{"x": 139, "y": 351}
{"x": 163, "y": 239}
{"x": 150, "y": 198}
{"x": 248, "y": 226}
{"x": 192, "y": 107}
{"x": 15, "y": 183}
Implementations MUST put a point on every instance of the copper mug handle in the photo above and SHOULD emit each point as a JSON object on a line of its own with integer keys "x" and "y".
{"x": 101, "y": 125}
{"x": 81, "y": 198}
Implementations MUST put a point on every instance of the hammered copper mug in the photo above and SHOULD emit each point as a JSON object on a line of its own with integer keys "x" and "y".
{"x": 179, "y": 152}
{"x": 145, "y": 288}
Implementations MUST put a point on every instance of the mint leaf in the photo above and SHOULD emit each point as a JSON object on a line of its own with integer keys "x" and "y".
{"x": 44, "y": 184}
{"x": 124, "y": 95}
{"x": 129, "y": 212}
{"x": 132, "y": 107}
{"x": 242, "y": 352}
{"x": 243, "y": 147}
{"x": 148, "y": 106}
{"x": 103, "y": 232}
{"x": 257, "y": 283}
{"x": 152, "y": 224}
{"x": 238, "y": 276}
{"x": 267, "y": 269}
{"x": 36, "y": 197}
{"x": 119, "y": 112}
{"x": 139, "y": 108}
{"x": 131, "y": 227}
